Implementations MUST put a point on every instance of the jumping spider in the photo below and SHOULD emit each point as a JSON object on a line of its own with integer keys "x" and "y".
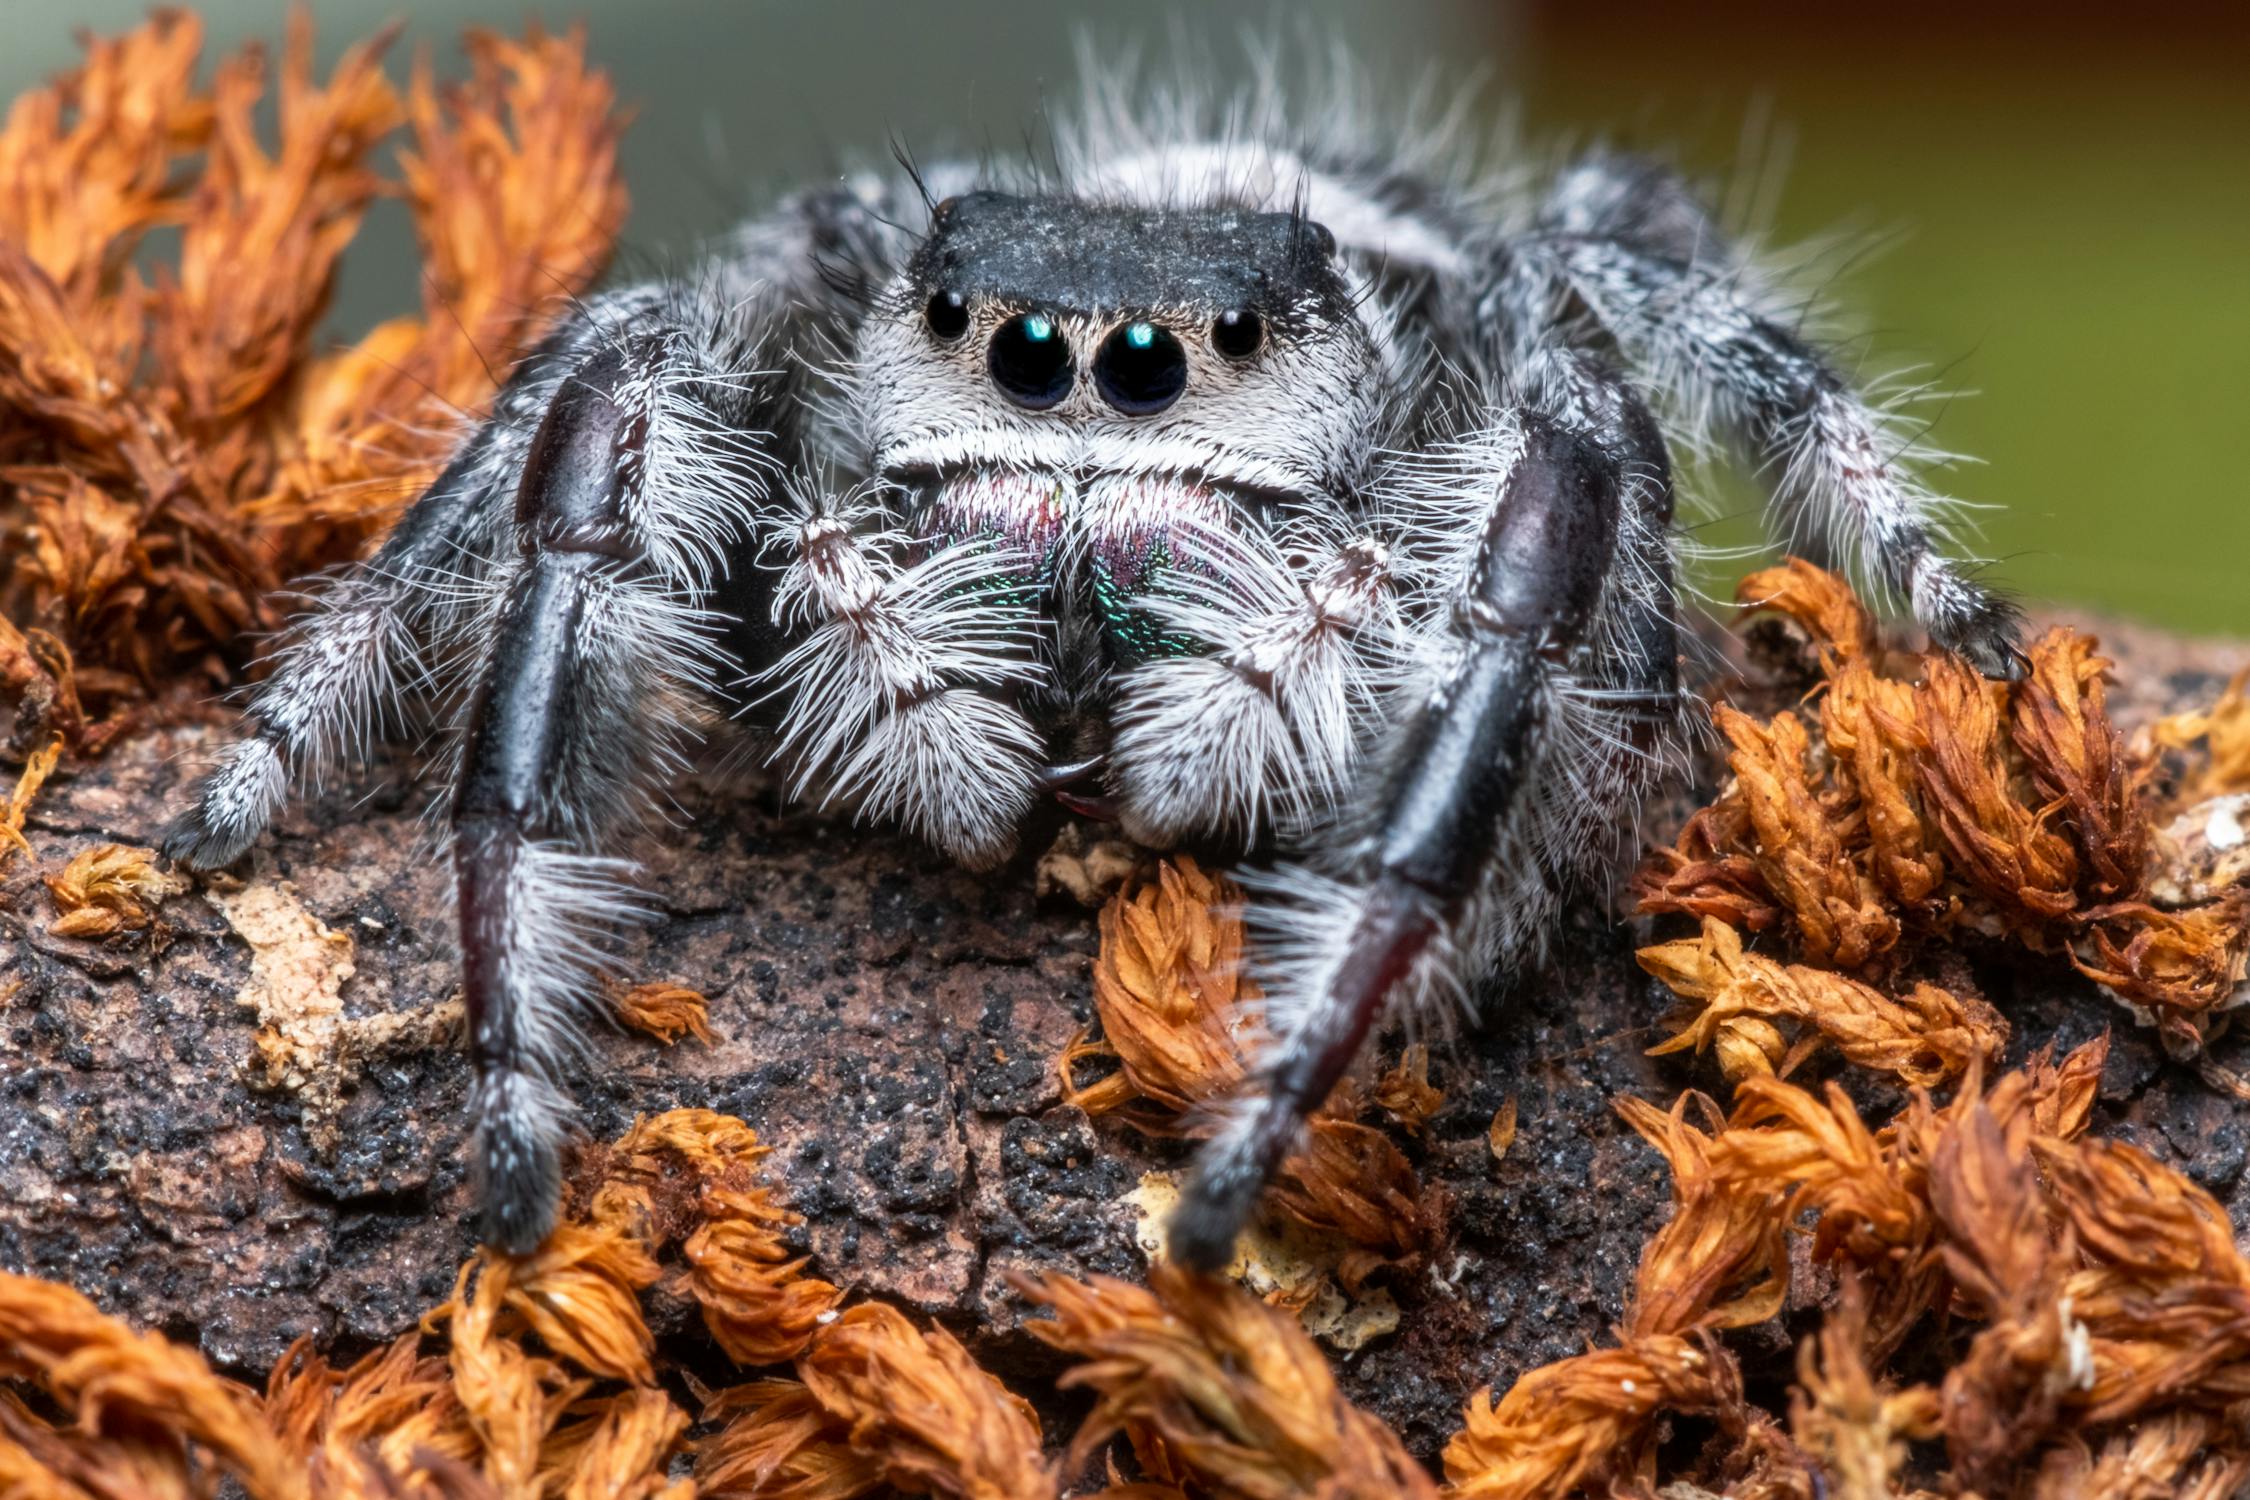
{"x": 1238, "y": 487}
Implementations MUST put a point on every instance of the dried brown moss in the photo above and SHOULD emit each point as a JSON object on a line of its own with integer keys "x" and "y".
{"x": 174, "y": 445}
{"x": 1936, "y": 806}
{"x": 1175, "y": 1002}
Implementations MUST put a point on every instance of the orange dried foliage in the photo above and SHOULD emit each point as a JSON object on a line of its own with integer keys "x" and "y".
{"x": 546, "y": 1389}
{"x": 691, "y": 1178}
{"x": 2077, "y": 760}
{"x": 157, "y": 1405}
{"x": 171, "y": 449}
{"x": 2178, "y": 1456}
{"x": 878, "y": 1404}
{"x": 1796, "y": 848}
{"x": 2106, "y": 1293}
{"x": 939, "y": 1424}
{"x": 109, "y": 889}
{"x": 1170, "y": 990}
{"x": 2002, "y": 848}
{"x": 618, "y": 1449}
{"x": 2223, "y": 732}
{"x": 1589, "y": 1418}
{"x": 1925, "y": 1038}
{"x": 512, "y": 1398}
{"x": 1220, "y": 1394}
{"x": 1936, "y": 802}
{"x": 36, "y": 770}
{"x": 391, "y": 1424}
{"x": 1855, "y": 1426}
{"x": 665, "y": 1011}
{"x": 779, "y": 1443}
{"x": 1877, "y": 1206}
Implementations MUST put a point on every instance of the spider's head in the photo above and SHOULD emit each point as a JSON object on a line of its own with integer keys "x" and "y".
{"x": 1059, "y": 337}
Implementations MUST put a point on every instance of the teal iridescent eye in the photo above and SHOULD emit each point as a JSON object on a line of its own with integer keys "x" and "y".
{"x": 1030, "y": 361}
{"x": 1140, "y": 369}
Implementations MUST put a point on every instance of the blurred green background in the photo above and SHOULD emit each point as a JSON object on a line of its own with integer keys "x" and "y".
{"x": 2056, "y": 197}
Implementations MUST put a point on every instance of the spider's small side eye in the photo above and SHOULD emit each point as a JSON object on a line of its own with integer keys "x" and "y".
{"x": 948, "y": 317}
{"x": 1030, "y": 361}
{"x": 1238, "y": 333}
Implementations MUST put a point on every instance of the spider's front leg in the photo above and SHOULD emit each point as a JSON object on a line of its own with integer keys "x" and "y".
{"x": 597, "y": 660}
{"x": 1487, "y": 798}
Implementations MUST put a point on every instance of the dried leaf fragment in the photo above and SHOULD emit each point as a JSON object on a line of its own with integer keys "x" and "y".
{"x": 1405, "y": 1092}
{"x": 666, "y": 1012}
{"x": 108, "y": 889}
{"x": 1924, "y": 1038}
{"x": 36, "y": 770}
{"x": 1501, "y": 1134}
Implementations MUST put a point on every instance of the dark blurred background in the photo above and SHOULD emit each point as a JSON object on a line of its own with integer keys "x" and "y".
{"x": 2049, "y": 205}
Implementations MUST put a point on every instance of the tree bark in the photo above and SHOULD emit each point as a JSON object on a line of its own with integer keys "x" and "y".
{"x": 889, "y": 1024}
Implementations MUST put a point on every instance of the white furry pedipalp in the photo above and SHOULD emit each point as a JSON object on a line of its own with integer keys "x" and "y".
{"x": 1266, "y": 726}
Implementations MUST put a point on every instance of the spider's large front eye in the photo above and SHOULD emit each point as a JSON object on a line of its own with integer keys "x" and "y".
{"x": 1141, "y": 369}
{"x": 1030, "y": 361}
{"x": 948, "y": 316}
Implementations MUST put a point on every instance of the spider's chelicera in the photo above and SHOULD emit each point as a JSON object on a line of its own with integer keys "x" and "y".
{"x": 1275, "y": 494}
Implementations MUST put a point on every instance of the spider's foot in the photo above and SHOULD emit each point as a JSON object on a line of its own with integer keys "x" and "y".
{"x": 522, "y": 1122}
{"x": 1988, "y": 635}
{"x": 231, "y": 808}
{"x": 1230, "y": 1174}
{"x": 1204, "y": 1226}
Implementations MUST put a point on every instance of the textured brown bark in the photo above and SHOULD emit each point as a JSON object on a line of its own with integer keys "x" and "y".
{"x": 890, "y": 1025}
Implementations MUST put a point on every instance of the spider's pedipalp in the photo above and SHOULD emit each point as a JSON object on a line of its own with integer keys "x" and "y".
{"x": 894, "y": 698}
{"x": 1263, "y": 729}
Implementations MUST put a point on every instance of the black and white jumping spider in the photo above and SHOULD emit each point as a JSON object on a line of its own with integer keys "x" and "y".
{"x": 1312, "y": 496}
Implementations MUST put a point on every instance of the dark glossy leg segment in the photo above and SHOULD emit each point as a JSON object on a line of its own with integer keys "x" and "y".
{"x": 1440, "y": 808}
{"x": 593, "y": 670}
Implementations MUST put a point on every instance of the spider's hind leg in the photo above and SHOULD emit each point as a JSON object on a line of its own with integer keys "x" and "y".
{"x": 1490, "y": 797}
{"x": 1844, "y": 473}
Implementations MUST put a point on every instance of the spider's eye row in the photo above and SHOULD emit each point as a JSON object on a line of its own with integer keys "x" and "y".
{"x": 1030, "y": 361}
{"x": 1238, "y": 333}
{"x": 1140, "y": 369}
{"x": 948, "y": 316}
